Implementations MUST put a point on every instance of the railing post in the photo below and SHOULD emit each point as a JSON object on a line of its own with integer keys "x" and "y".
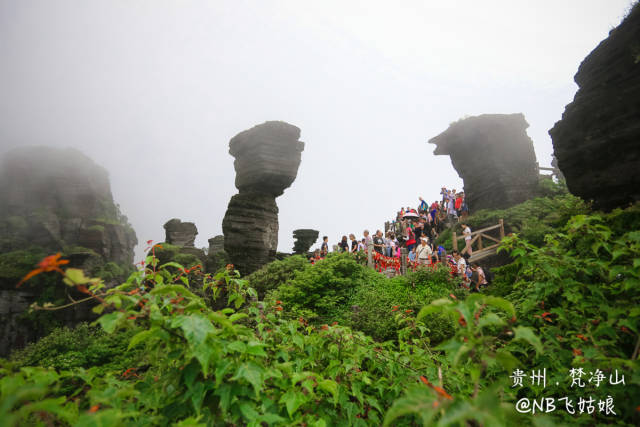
{"x": 403, "y": 261}
{"x": 501, "y": 222}
{"x": 370, "y": 255}
{"x": 454, "y": 241}
{"x": 480, "y": 242}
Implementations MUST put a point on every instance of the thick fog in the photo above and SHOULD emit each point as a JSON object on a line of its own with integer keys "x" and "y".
{"x": 153, "y": 91}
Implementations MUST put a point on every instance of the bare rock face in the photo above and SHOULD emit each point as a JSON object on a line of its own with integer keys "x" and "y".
{"x": 216, "y": 244}
{"x": 494, "y": 156}
{"x": 251, "y": 231}
{"x": 267, "y": 159}
{"x": 305, "y": 238}
{"x": 180, "y": 233}
{"x": 54, "y": 200}
{"x": 58, "y": 199}
{"x": 597, "y": 142}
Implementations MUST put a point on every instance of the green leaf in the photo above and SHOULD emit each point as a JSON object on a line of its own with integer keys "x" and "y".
{"x": 176, "y": 289}
{"x": 523, "y": 333}
{"x": 172, "y": 264}
{"x": 256, "y": 348}
{"x": 500, "y": 303}
{"x": 436, "y": 306}
{"x": 139, "y": 337}
{"x": 293, "y": 400}
{"x": 331, "y": 387}
{"x": 238, "y": 347}
{"x": 196, "y": 329}
{"x": 252, "y": 373}
{"x": 110, "y": 321}
{"x": 75, "y": 276}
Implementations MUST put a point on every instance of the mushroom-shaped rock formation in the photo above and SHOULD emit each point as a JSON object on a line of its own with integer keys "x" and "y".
{"x": 180, "y": 233}
{"x": 267, "y": 159}
{"x": 494, "y": 156}
{"x": 597, "y": 142}
{"x": 305, "y": 238}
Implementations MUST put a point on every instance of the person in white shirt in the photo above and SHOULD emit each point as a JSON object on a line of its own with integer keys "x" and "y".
{"x": 423, "y": 252}
{"x": 466, "y": 231}
{"x": 461, "y": 265}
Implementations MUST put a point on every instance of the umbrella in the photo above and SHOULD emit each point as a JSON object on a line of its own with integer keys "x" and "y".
{"x": 411, "y": 215}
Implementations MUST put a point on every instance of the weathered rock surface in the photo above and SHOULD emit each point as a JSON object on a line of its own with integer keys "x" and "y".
{"x": 54, "y": 200}
{"x": 305, "y": 238}
{"x": 251, "y": 230}
{"x": 597, "y": 142}
{"x": 180, "y": 233}
{"x": 267, "y": 159}
{"x": 216, "y": 244}
{"x": 494, "y": 156}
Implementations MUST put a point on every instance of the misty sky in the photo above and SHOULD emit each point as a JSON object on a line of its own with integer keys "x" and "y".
{"x": 153, "y": 91}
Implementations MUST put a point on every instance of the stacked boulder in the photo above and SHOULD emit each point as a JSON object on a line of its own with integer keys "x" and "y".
{"x": 179, "y": 244}
{"x": 494, "y": 156}
{"x": 267, "y": 157}
{"x": 305, "y": 238}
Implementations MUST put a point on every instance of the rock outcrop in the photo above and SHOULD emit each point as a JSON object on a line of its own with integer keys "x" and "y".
{"x": 179, "y": 244}
{"x": 305, "y": 238}
{"x": 597, "y": 142}
{"x": 494, "y": 156}
{"x": 58, "y": 199}
{"x": 54, "y": 200}
{"x": 180, "y": 233}
{"x": 216, "y": 244}
{"x": 267, "y": 157}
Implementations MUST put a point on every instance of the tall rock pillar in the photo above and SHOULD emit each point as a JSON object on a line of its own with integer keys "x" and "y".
{"x": 267, "y": 159}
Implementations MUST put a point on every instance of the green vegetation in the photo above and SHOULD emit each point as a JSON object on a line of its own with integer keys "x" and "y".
{"x": 84, "y": 346}
{"x": 338, "y": 344}
{"x": 276, "y": 273}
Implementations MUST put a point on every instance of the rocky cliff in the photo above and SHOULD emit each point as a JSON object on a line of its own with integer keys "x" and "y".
{"x": 267, "y": 157}
{"x": 60, "y": 200}
{"x": 494, "y": 156}
{"x": 54, "y": 200}
{"x": 597, "y": 142}
{"x": 304, "y": 239}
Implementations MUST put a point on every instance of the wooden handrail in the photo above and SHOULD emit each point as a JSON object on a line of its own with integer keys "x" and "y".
{"x": 479, "y": 234}
{"x": 473, "y": 233}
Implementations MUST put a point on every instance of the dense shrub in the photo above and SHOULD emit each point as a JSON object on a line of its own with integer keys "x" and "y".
{"x": 81, "y": 347}
{"x": 581, "y": 293}
{"x": 324, "y": 291}
{"x": 276, "y": 273}
{"x": 377, "y": 304}
{"x": 532, "y": 219}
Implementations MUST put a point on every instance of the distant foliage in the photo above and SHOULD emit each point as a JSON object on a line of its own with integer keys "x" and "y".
{"x": 277, "y": 273}
{"x": 81, "y": 347}
{"x": 293, "y": 359}
{"x": 533, "y": 219}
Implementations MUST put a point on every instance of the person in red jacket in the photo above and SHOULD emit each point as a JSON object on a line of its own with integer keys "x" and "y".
{"x": 458, "y": 204}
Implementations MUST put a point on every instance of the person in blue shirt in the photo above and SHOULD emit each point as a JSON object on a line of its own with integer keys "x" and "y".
{"x": 423, "y": 205}
{"x": 412, "y": 255}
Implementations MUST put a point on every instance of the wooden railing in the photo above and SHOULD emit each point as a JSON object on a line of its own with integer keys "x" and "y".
{"x": 481, "y": 250}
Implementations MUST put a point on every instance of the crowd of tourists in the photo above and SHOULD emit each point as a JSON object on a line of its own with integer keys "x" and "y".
{"x": 417, "y": 230}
